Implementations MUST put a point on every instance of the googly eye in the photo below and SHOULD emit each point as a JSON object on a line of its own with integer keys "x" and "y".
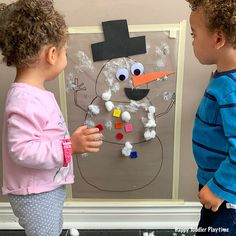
{"x": 137, "y": 69}
{"x": 122, "y": 74}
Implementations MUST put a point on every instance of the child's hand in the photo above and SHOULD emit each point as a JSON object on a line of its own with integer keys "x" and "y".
{"x": 86, "y": 140}
{"x": 209, "y": 200}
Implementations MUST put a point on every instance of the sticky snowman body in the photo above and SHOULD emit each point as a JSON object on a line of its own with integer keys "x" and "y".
{"x": 149, "y": 158}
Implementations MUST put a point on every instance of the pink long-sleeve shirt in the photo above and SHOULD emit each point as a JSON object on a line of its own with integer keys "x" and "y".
{"x": 32, "y": 154}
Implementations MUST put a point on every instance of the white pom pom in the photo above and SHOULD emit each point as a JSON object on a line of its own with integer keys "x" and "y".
{"x": 94, "y": 109}
{"x": 74, "y": 232}
{"x": 126, "y": 152}
{"x": 106, "y": 96}
{"x": 125, "y": 116}
{"x": 127, "y": 149}
{"x": 150, "y": 134}
{"x": 128, "y": 145}
{"x": 109, "y": 105}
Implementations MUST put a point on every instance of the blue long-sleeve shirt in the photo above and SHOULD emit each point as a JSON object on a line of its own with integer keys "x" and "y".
{"x": 214, "y": 136}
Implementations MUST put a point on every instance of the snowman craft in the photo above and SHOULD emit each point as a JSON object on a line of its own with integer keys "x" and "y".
{"x": 132, "y": 153}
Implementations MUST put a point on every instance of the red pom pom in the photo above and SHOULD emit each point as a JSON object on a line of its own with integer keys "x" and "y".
{"x": 100, "y": 127}
{"x": 119, "y": 136}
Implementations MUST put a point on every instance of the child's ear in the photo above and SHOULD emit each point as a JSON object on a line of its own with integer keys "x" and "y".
{"x": 51, "y": 55}
{"x": 220, "y": 39}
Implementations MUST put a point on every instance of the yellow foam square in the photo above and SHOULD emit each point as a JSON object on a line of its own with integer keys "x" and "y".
{"x": 116, "y": 113}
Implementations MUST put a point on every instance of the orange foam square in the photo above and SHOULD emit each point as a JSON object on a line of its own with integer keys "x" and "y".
{"x": 118, "y": 125}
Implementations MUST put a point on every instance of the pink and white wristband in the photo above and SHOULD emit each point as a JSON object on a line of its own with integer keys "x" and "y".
{"x": 67, "y": 150}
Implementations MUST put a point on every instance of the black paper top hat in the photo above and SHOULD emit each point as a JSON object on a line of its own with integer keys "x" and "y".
{"x": 117, "y": 42}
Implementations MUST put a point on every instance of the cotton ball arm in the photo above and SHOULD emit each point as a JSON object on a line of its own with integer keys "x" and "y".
{"x": 125, "y": 116}
{"x": 94, "y": 109}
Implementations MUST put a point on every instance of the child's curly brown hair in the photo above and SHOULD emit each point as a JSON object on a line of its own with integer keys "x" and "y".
{"x": 219, "y": 15}
{"x": 25, "y": 27}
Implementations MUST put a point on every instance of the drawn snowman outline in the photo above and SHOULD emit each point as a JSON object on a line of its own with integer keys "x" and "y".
{"x": 121, "y": 72}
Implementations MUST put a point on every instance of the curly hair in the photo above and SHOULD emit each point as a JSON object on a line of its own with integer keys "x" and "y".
{"x": 25, "y": 27}
{"x": 219, "y": 15}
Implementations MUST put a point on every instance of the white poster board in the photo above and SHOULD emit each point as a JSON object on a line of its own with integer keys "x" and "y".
{"x": 152, "y": 171}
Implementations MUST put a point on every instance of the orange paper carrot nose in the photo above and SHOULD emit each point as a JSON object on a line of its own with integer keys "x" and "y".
{"x": 147, "y": 78}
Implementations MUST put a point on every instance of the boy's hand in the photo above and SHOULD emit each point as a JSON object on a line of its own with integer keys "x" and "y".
{"x": 209, "y": 200}
{"x": 86, "y": 139}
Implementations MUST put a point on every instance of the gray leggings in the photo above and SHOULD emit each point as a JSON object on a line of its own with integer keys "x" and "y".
{"x": 40, "y": 214}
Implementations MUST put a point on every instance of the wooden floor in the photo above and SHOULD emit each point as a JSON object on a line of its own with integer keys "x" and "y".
{"x": 109, "y": 233}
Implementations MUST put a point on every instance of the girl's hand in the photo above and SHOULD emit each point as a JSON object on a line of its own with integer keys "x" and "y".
{"x": 209, "y": 200}
{"x": 86, "y": 139}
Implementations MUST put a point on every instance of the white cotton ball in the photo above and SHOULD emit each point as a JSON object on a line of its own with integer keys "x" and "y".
{"x": 94, "y": 109}
{"x": 150, "y": 116}
{"x": 74, "y": 232}
{"x": 106, "y": 96}
{"x": 152, "y": 109}
{"x": 125, "y": 116}
{"x": 153, "y": 134}
{"x": 161, "y": 63}
{"x": 109, "y": 105}
{"x": 149, "y": 134}
{"x": 151, "y": 124}
{"x": 167, "y": 96}
{"x": 89, "y": 123}
{"x": 108, "y": 125}
{"x": 115, "y": 87}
